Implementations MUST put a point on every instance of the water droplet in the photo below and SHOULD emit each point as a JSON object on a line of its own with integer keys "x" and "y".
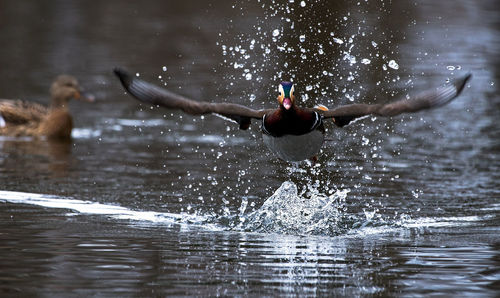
{"x": 303, "y": 3}
{"x": 450, "y": 67}
{"x": 164, "y": 68}
{"x": 302, "y": 38}
{"x": 248, "y": 76}
{"x": 369, "y": 214}
{"x": 366, "y": 61}
{"x": 393, "y": 64}
{"x": 338, "y": 40}
{"x": 276, "y": 32}
{"x": 350, "y": 58}
{"x": 374, "y": 44}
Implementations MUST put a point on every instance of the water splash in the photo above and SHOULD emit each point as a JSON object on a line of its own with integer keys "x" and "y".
{"x": 288, "y": 212}
{"x": 285, "y": 212}
{"x": 335, "y": 49}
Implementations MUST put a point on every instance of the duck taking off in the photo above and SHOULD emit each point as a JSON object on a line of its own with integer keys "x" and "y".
{"x": 291, "y": 132}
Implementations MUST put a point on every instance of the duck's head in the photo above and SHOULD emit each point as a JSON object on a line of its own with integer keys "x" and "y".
{"x": 286, "y": 98}
{"x": 66, "y": 87}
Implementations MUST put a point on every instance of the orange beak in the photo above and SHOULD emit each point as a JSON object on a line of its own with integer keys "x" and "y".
{"x": 82, "y": 95}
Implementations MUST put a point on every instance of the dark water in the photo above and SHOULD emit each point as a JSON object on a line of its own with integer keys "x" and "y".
{"x": 145, "y": 202}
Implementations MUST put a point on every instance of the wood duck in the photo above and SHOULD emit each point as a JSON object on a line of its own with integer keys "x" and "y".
{"x": 292, "y": 132}
{"x": 22, "y": 118}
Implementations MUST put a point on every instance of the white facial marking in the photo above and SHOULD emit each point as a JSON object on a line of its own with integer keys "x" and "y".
{"x": 281, "y": 91}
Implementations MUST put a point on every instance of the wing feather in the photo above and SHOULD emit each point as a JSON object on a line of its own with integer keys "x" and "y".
{"x": 425, "y": 100}
{"x": 152, "y": 94}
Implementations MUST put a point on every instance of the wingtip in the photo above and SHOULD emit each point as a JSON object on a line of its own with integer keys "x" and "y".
{"x": 123, "y": 75}
{"x": 460, "y": 83}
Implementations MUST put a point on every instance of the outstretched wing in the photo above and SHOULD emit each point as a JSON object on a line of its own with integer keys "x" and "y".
{"x": 425, "y": 100}
{"x": 149, "y": 93}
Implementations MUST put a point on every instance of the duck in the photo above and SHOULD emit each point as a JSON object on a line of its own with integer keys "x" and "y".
{"x": 293, "y": 133}
{"x": 20, "y": 118}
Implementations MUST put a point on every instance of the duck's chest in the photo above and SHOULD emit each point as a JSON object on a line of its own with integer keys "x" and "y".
{"x": 294, "y": 136}
{"x": 294, "y": 122}
{"x": 57, "y": 125}
{"x": 295, "y": 147}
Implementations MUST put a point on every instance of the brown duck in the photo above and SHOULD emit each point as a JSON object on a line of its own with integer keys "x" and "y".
{"x": 22, "y": 118}
{"x": 293, "y": 133}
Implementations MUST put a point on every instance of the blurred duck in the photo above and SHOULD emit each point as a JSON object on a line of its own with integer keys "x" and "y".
{"x": 22, "y": 118}
{"x": 293, "y": 133}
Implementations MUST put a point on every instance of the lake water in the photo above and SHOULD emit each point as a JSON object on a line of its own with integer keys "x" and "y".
{"x": 149, "y": 202}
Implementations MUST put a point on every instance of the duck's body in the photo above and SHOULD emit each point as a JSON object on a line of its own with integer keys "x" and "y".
{"x": 291, "y": 132}
{"x": 22, "y": 118}
{"x": 295, "y": 147}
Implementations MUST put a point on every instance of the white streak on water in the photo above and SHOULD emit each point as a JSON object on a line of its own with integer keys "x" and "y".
{"x": 136, "y": 122}
{"x": 438, "y": 222}
{"x": 424, "y": 222}
{"x": 92, "y": 208}
{"x": 85, "y": 133}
